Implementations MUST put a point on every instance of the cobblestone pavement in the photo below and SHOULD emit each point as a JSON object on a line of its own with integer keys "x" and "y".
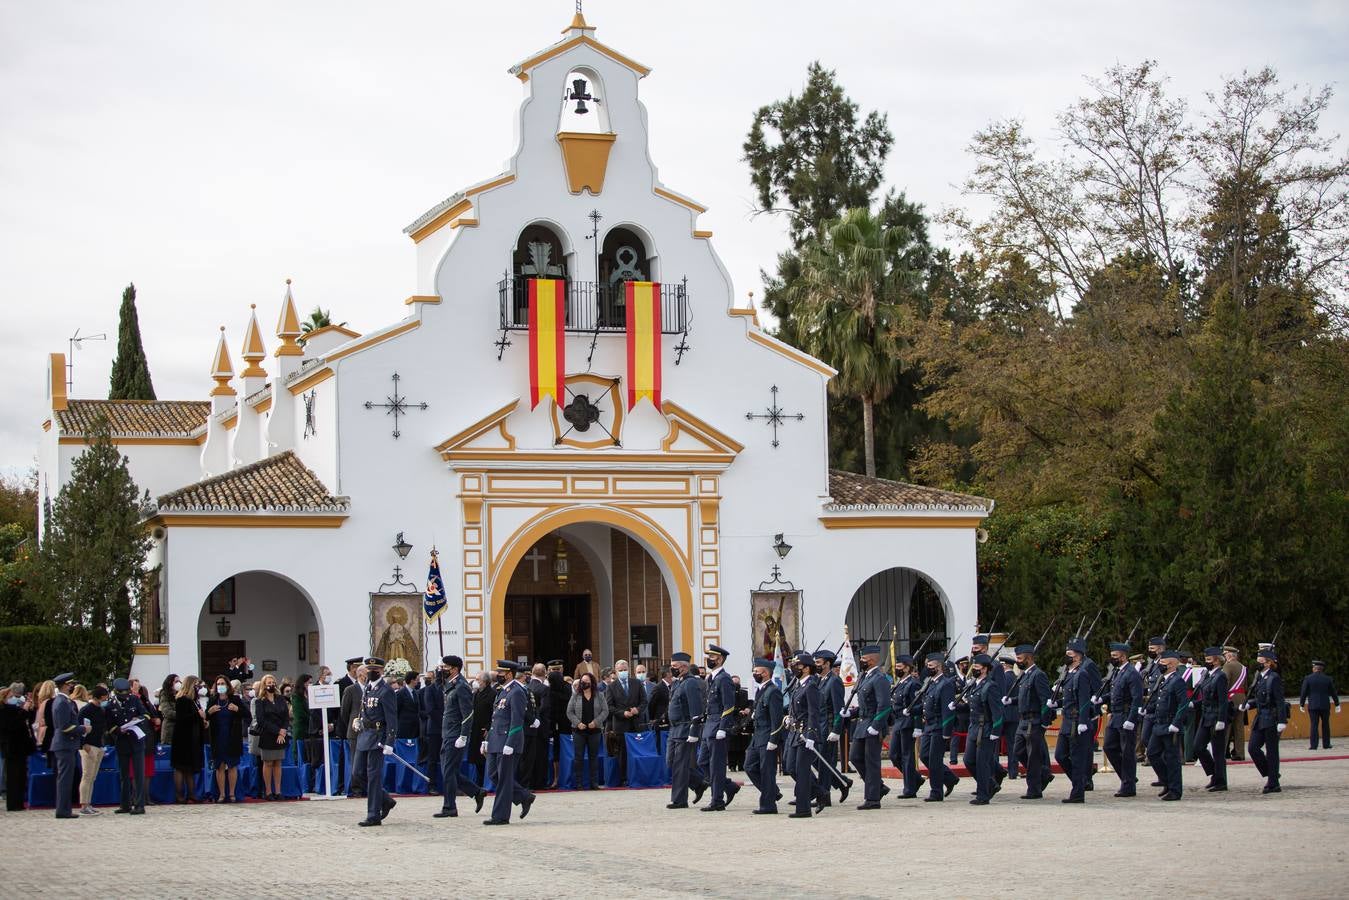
{"x": 626, "y": 843}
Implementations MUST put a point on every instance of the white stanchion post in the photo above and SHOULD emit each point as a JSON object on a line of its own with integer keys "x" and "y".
{"x": 325, "y": 696}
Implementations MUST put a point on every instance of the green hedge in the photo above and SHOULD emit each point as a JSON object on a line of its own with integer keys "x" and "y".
{"x": 34, "y": 653}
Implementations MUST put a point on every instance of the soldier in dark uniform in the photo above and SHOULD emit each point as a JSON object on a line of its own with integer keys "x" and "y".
{"x": 1152, "y": 676}
{"x": 979, "y": 644}
{"x": 1271, "y": 718}
{"x": 1081, "y": 682}
{"x": 986, "y": 723}
{"x": 505, "y": 744}
{"x": 456, "y": 729}
{"x": 1032, "y": 702}
{"x": 1164, "y": 746}
{"x": 903, "y": 753}
{"x": 831, "y": 715}
{"x": 67, "y": 736}
{"x": 1211, "y": 739}
{"x": 872, "y": 715}
{"x": 805, "y": 723}
{"x": 939, "y": 719}
{"x": 685, "y": 712}
{"x": 377, "y": 728}
{"x": 1010, "y": 715}
{"x": 717, "y": 723}
{"x": 1126, "y": 711}
{"x": 1318, "y": 690}
{"x": 761, "y": 759}
{"x": 961, "y": 732}
{"x": 125, "y": 708}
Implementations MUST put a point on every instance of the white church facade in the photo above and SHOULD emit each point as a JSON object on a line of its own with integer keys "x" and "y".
{"x": 669, "y": 488}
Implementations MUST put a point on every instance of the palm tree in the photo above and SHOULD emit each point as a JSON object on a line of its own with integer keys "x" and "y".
{"x": 318, "y": 318}
{"x": 850, "y": 294}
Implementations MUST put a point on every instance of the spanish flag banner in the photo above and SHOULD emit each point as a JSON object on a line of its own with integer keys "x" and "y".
{"x": 643, "y": 302}
{"x": 547, "y": 345}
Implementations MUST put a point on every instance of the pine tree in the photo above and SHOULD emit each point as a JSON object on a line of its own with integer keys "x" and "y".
{"x": 130, "y": 371}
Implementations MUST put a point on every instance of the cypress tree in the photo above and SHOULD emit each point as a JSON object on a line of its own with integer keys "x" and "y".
{"x": 130, "y": 371}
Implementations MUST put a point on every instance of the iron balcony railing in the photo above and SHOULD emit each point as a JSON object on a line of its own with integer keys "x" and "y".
{"x": 593, "y": 307}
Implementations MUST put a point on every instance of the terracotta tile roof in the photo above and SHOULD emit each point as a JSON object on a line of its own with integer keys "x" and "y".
{"x": 850, "y": 491}
{"x": 135, "y": 418}
{"x": 279, "y": 483}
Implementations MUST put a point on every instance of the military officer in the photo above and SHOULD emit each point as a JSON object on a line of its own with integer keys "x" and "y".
{"x": 1125, "y": 702}
{"x": 1318, "y": 690}
{"x": 67, "y": 736}
{"x": 505, "y": 744}
{"x": 979, "y": 644}
{"x": 805, "y": 723}
{"x": 720, "y": 717}
{"x": 761, "y": 759}
{"x": 831, "y": 714}
{"x": 1168, "y": 719}
{"x": 377, "y": 727}
{"x": 1271, "y": 718}
{"x": 1081, "y": 682}
{"x": 1033, "y": 695}
{"x": 986, "y": 722}
{"x": 872, "y": 715}
{"x": 124, "y": 710}
{"x": 903, "y": 753}
{"x": 1211, "y": 739}
{"x": 456, "y": 727}
{"x": 1010, "y": 714}
{"x": 939, "y": 719}
{"x": 1152, "y": 676}
{"x": 686, "y": 710}
{"x": 962, "y": 710}
{"x": 1236, "y": 673}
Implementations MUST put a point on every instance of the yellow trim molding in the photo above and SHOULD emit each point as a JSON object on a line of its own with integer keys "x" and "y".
{"x": 247, "y": 520}
{"x": 452, "y": 212}
{"x": 521, "y": 70}
{"x": 746, "y": 311}
{"x": 493, "y": 420}
{"x": 57, "y": 371}
{"x": 150, "y": 649}
{"x": 702, "y": 235}
{"x": 791, "y": 353}
{"x": 372, "y": 340}
{"x": 316, "y": 377}
{"x": 914, "y": 521}
{"x": 464, "y": 222}
{"x": 680, "y": 199}
{"x": 682, "y": 421}
{"x": 422, "y": 298}
{"x": 340, "y": 329}
{"x": 586, "y": 157}
{"x": 178, "y": 441}
{"x": 47, "y": 425}
{"x": 230, "y": 421}
{"x": 263, "y": 405}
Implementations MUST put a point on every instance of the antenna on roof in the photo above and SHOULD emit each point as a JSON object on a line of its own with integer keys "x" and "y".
{"x": 76, "y": 341}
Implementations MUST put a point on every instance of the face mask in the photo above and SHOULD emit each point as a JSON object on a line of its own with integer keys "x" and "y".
{"x": 759, "y": 678}
{"x": 18, "y": 701}
{"x": 864, "y": 665}
{"x": 103, "y": 703}
{"x": 641, "y": 676}
{"x": 586, "y": 657}
{"x": 623, "y": 676}
{"x": 708, "y": 663}
{"x": 177, "y": 685}
{"x": 221, "y": 689}
{"x": 201, "y": 692}
{"x": 250, "y": 667}
{"x": 502, "y": 678}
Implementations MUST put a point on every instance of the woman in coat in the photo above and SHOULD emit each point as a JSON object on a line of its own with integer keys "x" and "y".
{"x": 483, "y": 696}
{"x": 272, "y": 715}
{"x": 16, "y": 743}
{"x": 189, "y": 735}
{"x": 227, "y": 714}
{"x": 168, "y": 707}
{"x": 587, "y": 711}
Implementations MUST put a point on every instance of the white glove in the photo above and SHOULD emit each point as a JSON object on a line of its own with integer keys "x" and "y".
{"x": 787, "y": 720}
{"x": 1337, "y": 708}
{"x": 692, "y": 739}
{"x": 1243, "y": 707}
{"x": 1096, "y": 700}
{"x": 1173, "y": 729}
{"x": 1129, "y": 726}
{"x": 1219, "y": 726}
{"x": 460, "y": 742}
{"x": 1281, "y": 727}
{"x": 483, "y": 748}
{"x": 1006, "y": 701}
{"x": 507, "y": 750}
{"x": 918, "y": 732}
{"x": 810, "y": 745}
{"x": 872, "y": 731}
{"x": 721, "y": 735}
{"x": 1081, "y": 729}
{"x": 388, "y": 750}
{"x": 951, "y": 705}
{"x": 833, "y": 737}
{"x": 1050, "y": 704}
{"x": 535, "y": 724}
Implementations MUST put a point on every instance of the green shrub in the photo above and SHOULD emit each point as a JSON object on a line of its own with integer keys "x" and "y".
{"x": 34, "y": 653}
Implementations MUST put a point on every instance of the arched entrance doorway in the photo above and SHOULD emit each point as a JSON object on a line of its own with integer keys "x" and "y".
{"x": 625, "y": 591}
{"x": 263, "y": 616}
{"x": 900, "y": 598}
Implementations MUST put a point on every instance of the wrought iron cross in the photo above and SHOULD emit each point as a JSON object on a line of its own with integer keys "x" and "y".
{"x": 396, "y": 406}
{"x": 774, "y": 416}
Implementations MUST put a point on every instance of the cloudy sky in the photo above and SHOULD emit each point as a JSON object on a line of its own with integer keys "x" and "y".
{"x": 209, "y": 151}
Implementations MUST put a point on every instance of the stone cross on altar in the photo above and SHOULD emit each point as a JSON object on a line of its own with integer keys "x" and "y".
{"x": 536, "y": 557}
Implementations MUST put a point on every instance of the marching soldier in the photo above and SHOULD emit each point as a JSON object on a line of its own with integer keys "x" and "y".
{"x": 831, "y": 714}
{"x": 1152, "y": 676}
{"x": 1236, "y": 673}
{"x": 939, "y": 719}
{"x": 761, "y": 759}
{"x": 962, "y": 711}
{"x": 505, "y": 744}
{"x": 1081, "y": 682}
{"x": 979, "y": 644}
{"x": 456, "y": 727}
{"x": 1211, "y": 739}
{"x": 377, "y": 727}
{"x": 686, "y": 709}
{"x": 986, "y": 720}
{"x": 1271, "y": 718}
{"x": 716, "y": 729}
{"x": 873, "y": 714}
{"x": 1010, "y": 714}
{"x": 805, "y": 721}
{"x": 902, "y": 747}
{"x": 1168, "y": 719}
{"x": 1126, "y": 711}
{"x": 1033, "y": 695}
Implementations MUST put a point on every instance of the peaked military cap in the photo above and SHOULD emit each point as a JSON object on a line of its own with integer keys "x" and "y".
{"x": 374, "y": 662}
{"x": 121, "y": 684}
{"x": 982, "y": 659}
{"x": 1157, "y": 641}
{"x": 355, "y": 660}
{"x": 1268, "y": 653}
{"x": 1169, "y": 654}
{"x": 719, "y": 650}
{"x": 763, "y": 662}
{"x": 805, "y": 658}
{"x": 936, "y": 656}
{"x": 63, "y": 678}
{"x": 1119, "y": 646}
{"x": 1025, "y": 649}
{"x": 554, "y": 662}
{"x": 871, "y": 650}
{"x": 826, "y": 655}
{"x": 979, "y": 639}
{"x": 509, "y": 664}
{"x": 904, "y": 658}
{"x": 1230, "y": 649}
{"x": 1213, "y": 651}
{"x": 962, "y": 659}
{"x": 680, "y": 657}
{"x": 1319, "y": 662}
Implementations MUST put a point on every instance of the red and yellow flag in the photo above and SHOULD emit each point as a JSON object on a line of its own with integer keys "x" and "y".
{"x": 643, "y": 301}
{"x": 547, "y": 344}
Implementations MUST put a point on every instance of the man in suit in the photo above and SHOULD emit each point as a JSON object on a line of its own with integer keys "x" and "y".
{"x": 377, "y": 724}
{"x": 1126, "y": 704}
{"x": 351, "y": 711}
{"x": 627, "y": 703}
{"x": 805, "y": 724}
{"x": 124, "y": 710}
{"x": 587, "y": 664}
{"x": 903, "y": 754}
{"x": 658, "y": 702}
{"x": 339, "y": 720}
{"x": 456, "y": 729}
{"x": 761, "y": 758}
{"x": 67, "y": 736}
{"x": 939, "y": 719}
{"x": 1266, "y": 699}
{"x": 831, "y": 724}
{"x": 685, "y": 713}
{"x": 431, "y": 703}
{"x": 1237, "y": 675}
{"x": 1033, "y": 695}
{"x": 409, "y": 715}
{"x": 1164, "y": 747}
{"x": 716, "y": 730}
{"x": 505, "y": 744}
{"x": 1211, "y": 739}
{"x": 1318, "y": 690}
{"x": 871, "y": 716}
{"x": 559, "y": 693}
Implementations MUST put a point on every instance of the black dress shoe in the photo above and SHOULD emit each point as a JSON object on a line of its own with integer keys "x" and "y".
{"x": 931, "y": 799}
{"x": 907, "y": 797}
{"x": 1170, "y": 796}
{"x": 1126, "y": 794}
{"x": 524, "y": 807}
{"x": 731, "y": 790}
{"x": 977, "y": 802}
{"x": 843, "y": 792}
{"x": 885, "y": 789}
{"x": 1158, "y": 784}
{"x": 869, "y": 805}
{"x": 389, "y": 804}
{"x": 698, "y": 794}
{"x": 921, "y": 782}
{"x": 1049, "y": 778}
{"x": 1271, "y": 789}
{"x": 799, "y": 815}
{"x": 676, "y": 806}
{"x": 1216, "y": 788}
{"x": 138, "y": 811}
{"x": 478, "y": 798}
{"x": 122, "y": 809}
{"x": 494, "y": 822}
{"x": 713, "y": 807}
{"x": 68, "y": 816}
{"x": 368, "y": 823}
{"x": 1032, "y": 796}
{"x": 765, "y": 812}
{"x": 446, "y": 814}
{"x": 951, "y": 787}
{"x": 1073, "y": 800}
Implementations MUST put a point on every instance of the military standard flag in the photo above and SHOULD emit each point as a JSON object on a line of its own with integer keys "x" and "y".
{"x": 434, "y": 601}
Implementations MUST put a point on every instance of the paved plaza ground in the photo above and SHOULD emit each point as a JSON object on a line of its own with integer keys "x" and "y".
{"x": 625, "y": 843}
